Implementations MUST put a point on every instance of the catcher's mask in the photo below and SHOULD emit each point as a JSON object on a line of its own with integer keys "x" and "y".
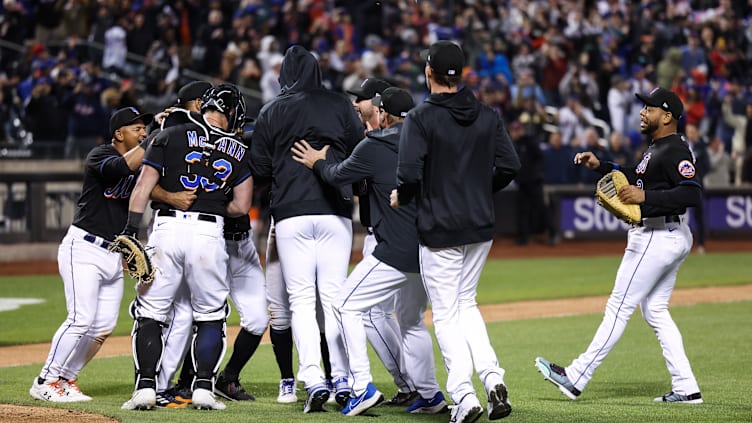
{"x": 227, "y": 100}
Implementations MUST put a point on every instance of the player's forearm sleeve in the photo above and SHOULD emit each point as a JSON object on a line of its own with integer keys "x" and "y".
{"x": 681, "y": 196}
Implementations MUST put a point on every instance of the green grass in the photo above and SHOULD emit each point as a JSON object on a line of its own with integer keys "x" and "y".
{"x": 502, "y": 281}
{"x": 717, "y": 338}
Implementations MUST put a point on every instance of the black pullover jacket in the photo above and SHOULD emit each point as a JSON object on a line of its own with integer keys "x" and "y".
{"x": 303, "y": 110}
{"x": 454, "y": 154}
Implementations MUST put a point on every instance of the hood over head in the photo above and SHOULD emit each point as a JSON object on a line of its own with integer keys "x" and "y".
{"x": 300, "y": 71}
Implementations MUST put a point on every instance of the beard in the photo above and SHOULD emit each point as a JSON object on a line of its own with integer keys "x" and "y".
{"x": 649, "y": 128}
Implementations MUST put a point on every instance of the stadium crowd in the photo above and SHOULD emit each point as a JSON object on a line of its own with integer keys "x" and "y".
{"x": 562, "y": 73}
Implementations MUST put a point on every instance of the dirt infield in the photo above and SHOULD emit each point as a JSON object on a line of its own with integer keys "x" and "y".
{"x": 24, "y": 414}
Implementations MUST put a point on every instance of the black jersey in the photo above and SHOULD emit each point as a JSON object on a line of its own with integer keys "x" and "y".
{"x": 666, "y": 164}
{"x": 102, "y": 208}
{"x": 196, "y": 156}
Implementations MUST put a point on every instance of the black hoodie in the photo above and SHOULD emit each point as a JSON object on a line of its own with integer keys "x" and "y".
{"x": 303, "y": 110}
{"x": 375, "y": 160}
{"x": 454, "y": 154}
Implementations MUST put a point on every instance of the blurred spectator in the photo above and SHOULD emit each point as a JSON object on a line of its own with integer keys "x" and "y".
{"x": 138, "y": 39}
{"x": 75, "y": 18}
{"x": 115, "y": 47}
{"x": 699, "y": 149}
{"x": 270, "y": 80}
{"x": 742, "y": 137}
{"x": 269, "y": 50}
{"x": 573, "y": 118}
{"x": 48, "y": 18}
{"x": 592, "y": 143}
{"x": 87, "y": 122}
{"x": 693, "y": 55}
{"x": 620, "y": 101}
{"x": 669, "y": 68}
{"x": 554, "y": 69}
{"x": 719, "y": 174}
{"x": 620, "y": 151}
{"x": 530, "y": 204}
{"x": 694, "y": 106}
{"x": 523, "y": 60}
{"x": 213, "y": 36}
{"x": 46, "y": 116}
{"x": 493, "y": 62}
{"x": 557, "y": 159}
{"x": 525, "y": 87}
{"x": 579, "y": 82}
{"x": 637, "y": 84}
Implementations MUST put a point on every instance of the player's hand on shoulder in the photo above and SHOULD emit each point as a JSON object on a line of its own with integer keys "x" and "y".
{"x": 161, "y": 116}
{"x": 587, "y": 159}
{"x": 303, "y": 153}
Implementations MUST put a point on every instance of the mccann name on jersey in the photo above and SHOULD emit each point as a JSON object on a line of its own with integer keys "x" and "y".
{"x": 227, "y": 145}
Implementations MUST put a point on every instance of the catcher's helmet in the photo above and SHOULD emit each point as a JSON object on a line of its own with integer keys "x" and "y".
{"x": 227, "y": 100}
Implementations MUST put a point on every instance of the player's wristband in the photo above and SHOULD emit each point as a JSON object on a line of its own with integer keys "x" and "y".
{"x": 133, "y": 222}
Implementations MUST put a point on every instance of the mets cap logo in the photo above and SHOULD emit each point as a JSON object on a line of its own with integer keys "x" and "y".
{"x": 686, "y": 169}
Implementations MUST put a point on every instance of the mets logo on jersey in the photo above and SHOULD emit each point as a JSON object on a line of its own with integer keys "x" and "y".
{"x": 642, "y": 167}
{"x": 686, "y": 169}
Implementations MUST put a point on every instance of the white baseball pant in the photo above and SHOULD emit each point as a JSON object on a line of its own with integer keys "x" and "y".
{"x": 450, "y": 276}
{"x": 383, "y": 332}
{"x": 93, "y": 285}
{"x": 646, "y": 277}
{"x": 369, "y": 283}
{"x": 315, "y": 252}
{"x": 248, "y": 293}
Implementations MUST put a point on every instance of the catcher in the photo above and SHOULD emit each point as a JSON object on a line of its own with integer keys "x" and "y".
{"x": 201, "y": 154}
{"x": 663, "y": 184}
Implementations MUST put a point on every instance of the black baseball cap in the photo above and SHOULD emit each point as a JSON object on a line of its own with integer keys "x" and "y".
{"x": 394, "y": 101}
{"x": 369, "y": 88}
{"x": 665, "y": 99}
{"x": 192, "y": 91}
{"x": 445, "y": 58}
{"x": 128, "y": 116}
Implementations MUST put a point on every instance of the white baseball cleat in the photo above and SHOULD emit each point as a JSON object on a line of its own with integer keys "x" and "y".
{"x": 52, "y": 391}
{"x": 467, "y": 411}
{"x": 74, "y": 392}
{"x": 142, "y": 399}
{"x": 287, "y": 392}
{"x": 203, "y": 399}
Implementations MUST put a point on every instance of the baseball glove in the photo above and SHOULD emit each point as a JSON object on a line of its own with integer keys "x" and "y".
{"x": 606, "y": 192}
{"x": 135, "y": 258}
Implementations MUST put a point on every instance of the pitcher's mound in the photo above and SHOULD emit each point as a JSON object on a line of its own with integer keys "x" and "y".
{"x": 21, "y": 413}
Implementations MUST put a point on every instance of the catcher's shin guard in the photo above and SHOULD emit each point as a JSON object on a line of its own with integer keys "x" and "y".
{"x": 148, "y": 344}
{"x": 208, "y": 348}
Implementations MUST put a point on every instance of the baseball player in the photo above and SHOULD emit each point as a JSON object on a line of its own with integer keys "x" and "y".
{"x": 664, "y": 184}
{"x": 391, "y": 269}
{"x": 92, "y": 275}
{"x": 382, "y": 330}
{"x": 176, "y": 336}
{"x": 203, "y": 154}
{"x": 312, "y": 220}
{"x": 246, "y": 290}
{"x": 454, "y": 153}
{"x": 280, "y": 331}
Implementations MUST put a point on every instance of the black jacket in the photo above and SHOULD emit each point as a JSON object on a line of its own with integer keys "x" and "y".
{"x": 375, "y": 160}
{"x": 303, "y": 110}
{"x": 454, "y": 154}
